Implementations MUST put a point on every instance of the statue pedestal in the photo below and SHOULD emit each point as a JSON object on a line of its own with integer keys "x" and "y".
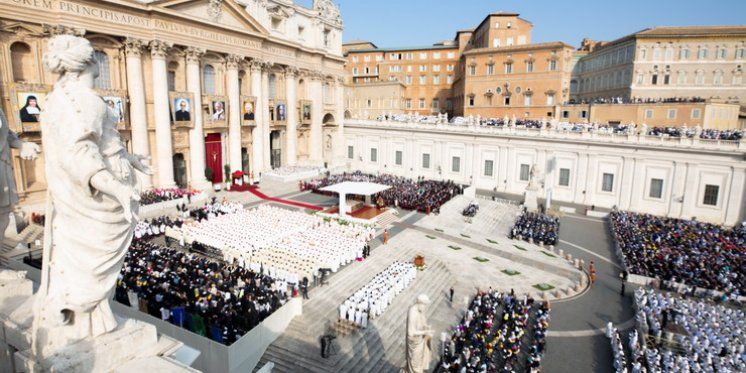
{"x": 531, "y": 200}
{"x": 133, "y": 346}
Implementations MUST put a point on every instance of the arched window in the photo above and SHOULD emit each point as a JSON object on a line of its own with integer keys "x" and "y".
{"x": 699, "y": 78}
{"x": 208, "y": 77}
{"x": 104, "y": 75}
{"x": 173, "y": 66}
{"x": 22, "y": 62}
{"x": 717, "y": 77}
{"x": 272, "y": 86}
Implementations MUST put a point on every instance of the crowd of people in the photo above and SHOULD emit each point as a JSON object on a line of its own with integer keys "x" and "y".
{"x": 471, "y": 209}
{"x": 491, "y": 333}
{"x": 210, "y": 298}
{"x": 421, "y": 195}
{"x": 707, "y": 337}
{"x": 290, "y": 244}
{"x": 536, "y": 227}
{"x": 687, "y": 251}
{"x": 373, "y": 298}
{"x": 636, "y": 100}
{"x": 165, "y": 194}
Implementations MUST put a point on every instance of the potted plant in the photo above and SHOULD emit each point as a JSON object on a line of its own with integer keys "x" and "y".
{"x": 227, "y": 176}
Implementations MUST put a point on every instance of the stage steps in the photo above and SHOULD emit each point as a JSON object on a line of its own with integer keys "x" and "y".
{"x": 381, "y": 346}
{"x": 387, "y": 219}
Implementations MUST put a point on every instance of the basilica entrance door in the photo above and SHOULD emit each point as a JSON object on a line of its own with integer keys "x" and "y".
{"x": 214, "y": 156}
{"x": 275, "y": 146}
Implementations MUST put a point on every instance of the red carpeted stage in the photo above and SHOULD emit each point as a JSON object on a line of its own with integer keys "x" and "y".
{"x": 359, "y": 212}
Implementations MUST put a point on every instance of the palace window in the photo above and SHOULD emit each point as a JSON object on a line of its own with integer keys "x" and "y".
{"x": 681, "y": 78}
{"x": 711, "y": 195}
{"x": 508, "y": 68}
{"x": 524, "y": 172}
{"x": 350, "y": 152}
{"x": 436, "y": 68}
{"x": 717, "y": 77}
{"x": 671, "y": 114}
{"x": 471, "y": 100}
{"x": 564, "y": 177}
{"x": 684, "y": 54}
{"x": 456, "y": 164}
{"x": 373, "y": 154}
{"x": 656, "y": 188}
{"x": 526, "y": 100}
{"x": 436, "y": 104}
{"x": 699, "y": 78}
{"x": 489, "y": 166}
{"x": 529, "y": 66}
{"x": 702, "y": 53}
{"x": 408, "y": 103}
{"x": 472, "y": 70}
{"x": 104, "y": 79}
{"x": 696, "y": 113}
{"x": 422, "y": 103}
{"x": 208, "y": 77}
{"x": 550, "y": 99}
{"x": 649, "y": 114}
{"x": 553, "y": 65}
{"x": 425, "y": 160}
{"x": 436, "y": 79}
{"x": 490, "y": 69}
{"x": 449, "y": 79}
{"x": 398, "y": 157}
{"x": 423, "y": 80}
{"x": 607, "y": 182}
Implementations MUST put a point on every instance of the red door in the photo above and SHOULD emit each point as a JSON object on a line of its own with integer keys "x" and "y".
{"x": 214, "y": 156}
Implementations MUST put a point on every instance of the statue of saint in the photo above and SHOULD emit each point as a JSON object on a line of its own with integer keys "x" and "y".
{"x": 419, "y": 335}
{"x": 534, "y": 182}
{"x": 92, "y": 201}
{"x": 8, "y": 194}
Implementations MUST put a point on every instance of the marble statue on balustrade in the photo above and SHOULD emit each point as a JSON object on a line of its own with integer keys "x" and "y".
{"x": 419, "y": 337}
{"x": 8, "y": 193}
{"x": 531, "y": 196}
{"x": 92, "y": 202}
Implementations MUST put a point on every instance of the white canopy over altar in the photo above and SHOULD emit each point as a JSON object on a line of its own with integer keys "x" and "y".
{"x": 354, "y": 188}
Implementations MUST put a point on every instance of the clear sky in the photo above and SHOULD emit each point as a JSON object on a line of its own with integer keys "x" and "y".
{"x": 398, "y": 23}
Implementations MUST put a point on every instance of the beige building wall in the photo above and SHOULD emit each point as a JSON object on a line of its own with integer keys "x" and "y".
{"x": 705, "y": 115}
{"x": 368, "y": 101}
{"x": 666, "y": 62}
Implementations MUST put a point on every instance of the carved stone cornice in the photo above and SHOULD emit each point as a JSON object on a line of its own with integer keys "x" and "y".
{"x": 53, "y": 30}
{"x": 232, "y": 61}
{"x": 159, "y": 49}
{"x": 194, "y": 54}
{"x": 133, "y": 47}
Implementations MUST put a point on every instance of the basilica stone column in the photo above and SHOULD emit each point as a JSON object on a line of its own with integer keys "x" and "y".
{"x": 196, "y": 135}
{"x": 164, "y": 147}
{"x": 292, "y": 115}
{"x": 138, "y": 114}
{"x": 259, "y": 114}
{"x": 338, "y": 145}
{"x": 317, "y": 112}
{"x": 264, "y": 108}
{"x": 234, "y": 104}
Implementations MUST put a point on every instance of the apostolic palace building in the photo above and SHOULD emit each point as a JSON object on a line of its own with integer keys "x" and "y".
{"x": 199, "y": 84}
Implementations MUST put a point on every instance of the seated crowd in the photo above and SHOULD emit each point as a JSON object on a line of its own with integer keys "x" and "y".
{"x": 421, "y": 195}
{"x": 491, "y": 333}
{"x": 165, "y": 194}
{"x": 694, "y": 253}
{"x": 537, "y": 227}
{"x": 371, "y": 300}
{"x": 289, "y": 244}
{"x": 707, "y": 337}
{"x": 471, "y": 209}
{"x": 154, "y": 227}
{"x": 222, "y": 302}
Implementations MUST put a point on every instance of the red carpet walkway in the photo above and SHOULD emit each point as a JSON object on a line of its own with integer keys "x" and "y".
{"x": 255, "y": 191}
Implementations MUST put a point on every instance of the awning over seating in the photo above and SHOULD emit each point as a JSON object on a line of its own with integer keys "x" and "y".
{"x": 353, "y": 188}
{"x": 356, "y": 188}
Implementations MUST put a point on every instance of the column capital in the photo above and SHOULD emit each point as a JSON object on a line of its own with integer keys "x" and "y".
{"x": 193, "y": 54}
{"x": 159, "y": 49}
{"x": 133, "y": 47}
{"x": 233, "y": 60}
{"x": 313, "y": 74}
{"x": 256, "y": 65}
{"x": 291, "y": 71}
{"x": 54, "y": 30}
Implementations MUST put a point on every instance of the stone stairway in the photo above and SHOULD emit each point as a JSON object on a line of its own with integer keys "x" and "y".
{"x": 29, "y": 234}
{"x": 386, "y": 219}
{"x": 380, "y": 347}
